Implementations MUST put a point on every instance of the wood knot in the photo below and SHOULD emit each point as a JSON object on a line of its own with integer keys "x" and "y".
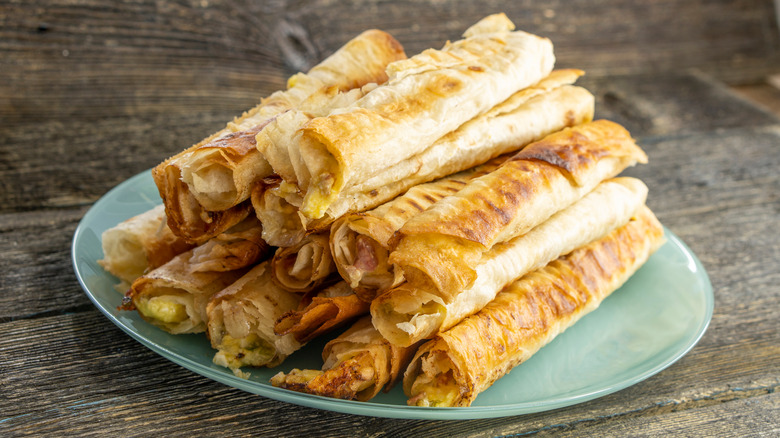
{"x": 298, "y": 52}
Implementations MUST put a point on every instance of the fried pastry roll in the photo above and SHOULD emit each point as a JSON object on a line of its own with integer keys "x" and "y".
{"x": 304, "y": 266}
{"x": 358, "y": 365}
{"x": 407, "y": 314}
{"x": 326, "y": 310}
{"x": 138, "y": 245}
{"x": 457, "y": 365}
{"x": 359, "y": 241}
{"x": 282, "y": 224}
{"x": 425, "y": 97}
{"x": 440, "y": 248}
{"x": 527, "y": 116}
{"x": 278, "y": 142}
{"x": 174, "y": 297}
{"x": 241, "y": 322}
{"x": 241, "y": 245}
{"x": 217, "y": 174}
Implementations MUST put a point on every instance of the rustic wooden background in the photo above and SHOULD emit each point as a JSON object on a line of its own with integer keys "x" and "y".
{"x": 95, "y": 91}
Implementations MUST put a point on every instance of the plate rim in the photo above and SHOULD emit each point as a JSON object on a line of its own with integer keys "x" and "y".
{"x": 376, "y": 409}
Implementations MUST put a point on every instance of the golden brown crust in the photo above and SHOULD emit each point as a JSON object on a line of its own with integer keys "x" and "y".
{"x": 578, "y": 150}
{"x": 441, "y": 247}
{"x": 304, "y": 266}
{"x": 408, "y": 313}
{"x": 406, "y": 115}
{"x": 230, "y": 155}
{"x": 358, "y": 365}
{"x": 321, "y": 315}
{"x": 529, "y": 313}
{"x": 359, "y": 242}
{"x": 526, "y": 116}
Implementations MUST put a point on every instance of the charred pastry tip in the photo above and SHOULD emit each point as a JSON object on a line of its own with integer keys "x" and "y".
{"x": 127, "y": 303}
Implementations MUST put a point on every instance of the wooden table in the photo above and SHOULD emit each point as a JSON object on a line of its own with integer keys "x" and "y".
{"x": 94, "y": 92}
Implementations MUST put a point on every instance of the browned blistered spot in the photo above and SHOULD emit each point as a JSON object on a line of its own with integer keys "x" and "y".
{"x": 445, "y": 85}
{"x": 428, "y": 197}
{"x": 476, "y": 68}
{"x": 373, "y": 193}
{"x": 414, "y": 204}
{"x": 239, "y": 141}
{"x": 505, "y": 215}
{"x": 571, "y": 154}
{"x": 571, "y": 118}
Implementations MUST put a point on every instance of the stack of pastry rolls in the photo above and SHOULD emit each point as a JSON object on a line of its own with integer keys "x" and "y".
{"x": 450, "y": 213}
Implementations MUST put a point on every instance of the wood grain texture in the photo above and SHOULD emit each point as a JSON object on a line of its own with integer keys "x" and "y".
{"x": 92, "y": 369}
{"x": 98, "y": 58}
{"x": 93, "y": 92}
{"x": 98, "y": 374}
{"x": 75, "y": 170}
{"x": 36, "y": 275}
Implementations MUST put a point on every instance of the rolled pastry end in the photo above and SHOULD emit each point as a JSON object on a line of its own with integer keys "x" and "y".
{"x": 211, "y": 182}
{"x": 305, "y": 266}
{"x": 361, "y": 260}
{"x": 241, "y": 321}
{"x": 397, "y": 315}
{"x": 353, "y": 378}
{"x": 435, "y": 383}
{"x": 357, "y": 366}
{"x": 282, "y": 226}
{"x": 138, "y": 245}
{"x": 172, "y": 309}
{"x": 327, "y": 176}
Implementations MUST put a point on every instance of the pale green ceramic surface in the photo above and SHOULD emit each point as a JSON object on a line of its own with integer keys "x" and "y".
{"x": 644, "y": 327}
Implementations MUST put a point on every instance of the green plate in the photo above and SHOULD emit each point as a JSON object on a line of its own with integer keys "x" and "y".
{"x": 644, "y": 327}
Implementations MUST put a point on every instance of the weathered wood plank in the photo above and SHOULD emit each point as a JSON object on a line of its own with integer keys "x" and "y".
{"x": 76, "y": 152}
{"x": 652, "y": 105}
{"x": 764, "y": 94}
{"x": 731, "y": 186}
{"x": 98, "y": 379}
{"x": 36, "y": 274}
{"x": 98, "y": 59}
{"x": 754, "y": 417}
{"x": 58, "y": 164}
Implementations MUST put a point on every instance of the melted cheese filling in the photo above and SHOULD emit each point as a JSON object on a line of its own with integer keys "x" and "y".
{"x": 436, "y": 386}
{"x": 247, "y": 351}
{"x": 163, "y": 310}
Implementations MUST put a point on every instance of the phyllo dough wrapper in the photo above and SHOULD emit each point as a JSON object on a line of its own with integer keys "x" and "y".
{"x": 304, "y": 266}
{"x": 359, "y": 242}
{"x": 206, "y": 181}
{"x": 425, "y": 97}
{"x": 174, "y": 296}
{"x": 440, "y": 248}
{"x": 322, "y": 312}
{"x": 407, "y": 314}
{"x": 358, "y": 365}
{"x": 527, "y": 116}
{"x": 241, "y": 321}
{"x": 457, "y": 365}
{"x": 138, "y": 245}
